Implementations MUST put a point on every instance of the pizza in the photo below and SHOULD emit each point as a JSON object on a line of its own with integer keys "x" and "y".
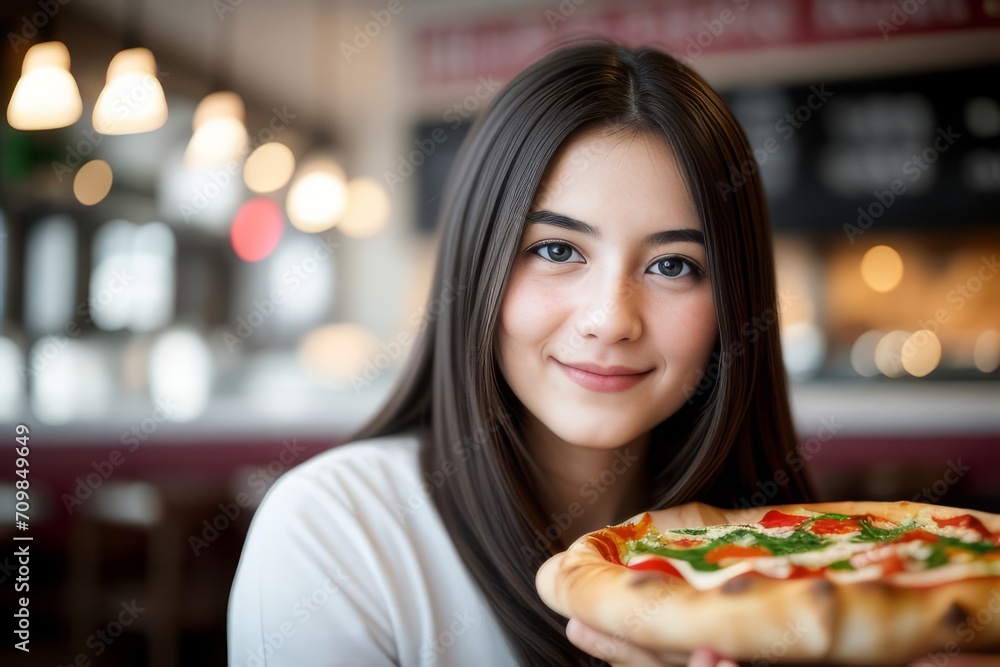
{"x": 860, "y": 583}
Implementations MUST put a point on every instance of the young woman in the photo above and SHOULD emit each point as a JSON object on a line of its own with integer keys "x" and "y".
{"x": 592, "y": 355}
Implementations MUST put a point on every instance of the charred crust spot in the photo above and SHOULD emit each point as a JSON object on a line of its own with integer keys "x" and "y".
{"x": 736, "y": 585}
{"x": 953, "y": 615}
{"x": 642, "y": 577}
{"x": 822, "y": 588}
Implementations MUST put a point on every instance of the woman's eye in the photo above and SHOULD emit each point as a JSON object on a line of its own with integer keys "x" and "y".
{"x": 556, "y": 252}
{"x": 673, "y": 267}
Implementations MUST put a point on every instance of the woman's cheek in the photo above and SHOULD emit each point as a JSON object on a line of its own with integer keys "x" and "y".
{"x": 530, "y": 309}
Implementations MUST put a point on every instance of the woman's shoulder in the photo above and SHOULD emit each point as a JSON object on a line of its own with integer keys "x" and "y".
{"x": 400, "y": 450}
{"x": 359, "y": 476}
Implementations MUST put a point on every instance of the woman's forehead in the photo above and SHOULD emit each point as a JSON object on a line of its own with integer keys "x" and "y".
{"x": 605, "y": 173}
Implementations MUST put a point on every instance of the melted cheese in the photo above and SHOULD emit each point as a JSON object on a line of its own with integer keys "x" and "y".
{"x": 865, "y": 557}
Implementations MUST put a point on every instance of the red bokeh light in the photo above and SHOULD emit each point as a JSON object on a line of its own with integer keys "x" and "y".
{"x": 256, "y": 229}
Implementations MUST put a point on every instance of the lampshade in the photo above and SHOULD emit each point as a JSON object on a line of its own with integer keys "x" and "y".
{"x": 46, "y": 96}
{"x": 317, "y": 196}
{"x": 219, "y": 133}
{"x": 132, "y": 100}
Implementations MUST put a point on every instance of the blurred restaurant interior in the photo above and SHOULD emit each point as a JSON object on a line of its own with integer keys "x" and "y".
{"x": 217, "y": 235}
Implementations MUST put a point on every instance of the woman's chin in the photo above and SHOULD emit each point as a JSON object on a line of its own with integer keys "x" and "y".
{"x": 602, "y": 437}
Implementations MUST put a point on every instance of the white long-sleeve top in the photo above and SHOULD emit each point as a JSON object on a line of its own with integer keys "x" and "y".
{"x": 347, "y": 562}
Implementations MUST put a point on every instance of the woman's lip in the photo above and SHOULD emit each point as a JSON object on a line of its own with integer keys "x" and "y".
{"x": 603, "y": 383}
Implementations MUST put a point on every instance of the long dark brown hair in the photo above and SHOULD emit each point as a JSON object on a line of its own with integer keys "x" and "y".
{"x": 733, "y": 439}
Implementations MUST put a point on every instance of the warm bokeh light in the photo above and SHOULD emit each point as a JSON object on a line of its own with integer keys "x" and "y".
{"x": 180, "y": 373}
{"x": 367, "y": 208}
{"x": 110, "y": 296}
{"x": 304, "y": 269}
{"x": 71, "y": 380}
{"x": 46, "y": 96}
{"x": 803, "y": 345}
{"x": 986, "y": 353}
{"x": 889, "y": 353}
{"x": 269, "y": 167}
{"x": 882, "y": 268}
{"x": 256, "y": 229}
{"x": 207, "y": 199}
{"x": 863, "y": 353}
{"x": 339, "y": 351}
{"x": 92, "y": 182}
{"x": 219, "y": 136}
{"x": 921, "y": 353}
{"x": 132, "y": 276}
{"x": 132, "y": 100}
{"x": 318, "y": 196}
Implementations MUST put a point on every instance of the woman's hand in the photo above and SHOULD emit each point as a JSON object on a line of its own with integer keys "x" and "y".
{"x": 620, "y": 653}
{"x": 961, "y": 660}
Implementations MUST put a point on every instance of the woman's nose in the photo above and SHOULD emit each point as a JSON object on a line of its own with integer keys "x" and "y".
{"x": 613, "y": 311}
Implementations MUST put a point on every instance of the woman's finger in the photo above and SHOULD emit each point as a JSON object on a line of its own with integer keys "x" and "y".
{"x": 705, "y": 657}
{"x": 615, "y": 651}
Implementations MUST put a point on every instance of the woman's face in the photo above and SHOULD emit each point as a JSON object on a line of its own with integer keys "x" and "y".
{"x": 608, "y": 317}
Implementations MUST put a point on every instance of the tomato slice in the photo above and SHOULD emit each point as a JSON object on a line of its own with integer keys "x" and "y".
{"x": 917, "y": 534}
{"x": 687, "y": 543}
{"x": 891, "y": 563}
{"x": 776, "y": 519}
{"x": 634, "y": 531}
{"x": 966, "y": 521}
{"x": 734, "y": 551}
{"x": 801, "y": 572}
{"x": 835, "y": 526}
{"x": 656, "y": 565}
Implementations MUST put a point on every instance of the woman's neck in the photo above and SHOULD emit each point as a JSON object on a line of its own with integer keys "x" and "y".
{"x": 587, "y": 488}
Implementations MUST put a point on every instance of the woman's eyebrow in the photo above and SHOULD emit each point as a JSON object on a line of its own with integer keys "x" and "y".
{"x": 658, "y": 238}
{"x": 686, "y": 235}
{"x": 564, "y": 221}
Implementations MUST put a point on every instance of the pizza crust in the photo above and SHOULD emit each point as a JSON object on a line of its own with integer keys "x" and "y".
{"x": 765, "y": 621}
